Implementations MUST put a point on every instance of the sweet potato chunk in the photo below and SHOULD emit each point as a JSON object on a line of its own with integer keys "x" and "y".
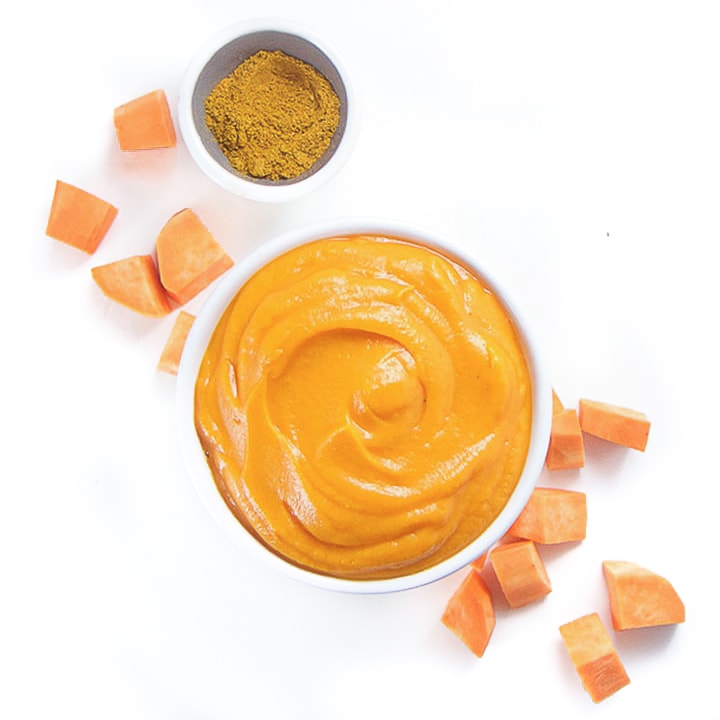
{"x": 520, "y": 572}
{"x": 552, "y": 515}
{"x": 615, "y": 424}
{"x": 639, "y": 597}
{"x": 566, "y": 449}
{"x": 189, "y": 258}
{"x": 470, "y": 613}
{"x": 79, "y": 218}
{"x": 594, "y": 656}
{"x": 172, "y": 352}
{"x": 145, "y": 123}
{"x": 134, "y": 282}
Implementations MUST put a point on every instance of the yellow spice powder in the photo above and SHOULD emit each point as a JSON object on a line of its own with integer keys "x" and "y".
{"x": 274, "y": 116}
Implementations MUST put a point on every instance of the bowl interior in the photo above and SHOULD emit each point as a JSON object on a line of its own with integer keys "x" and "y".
{"x": 234, "y": 52}
{"x": 199, "y": 471}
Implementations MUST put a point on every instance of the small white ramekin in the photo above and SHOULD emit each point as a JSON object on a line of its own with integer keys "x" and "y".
{"x": 195, "y": 459}
{"x": 216, "y": 59}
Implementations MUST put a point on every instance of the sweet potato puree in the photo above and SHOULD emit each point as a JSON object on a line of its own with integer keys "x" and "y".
{"x": 365, "y": 405}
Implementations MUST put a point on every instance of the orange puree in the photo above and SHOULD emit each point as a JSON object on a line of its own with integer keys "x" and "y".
{"x": 364, "y": 404}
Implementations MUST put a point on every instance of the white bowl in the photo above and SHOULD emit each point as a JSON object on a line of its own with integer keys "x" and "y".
{"x": 217, "y": 58}
{"x": 196, "y": 461}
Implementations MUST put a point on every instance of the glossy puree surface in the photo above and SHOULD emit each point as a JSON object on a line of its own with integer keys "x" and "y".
{"x": 365, "y": 406}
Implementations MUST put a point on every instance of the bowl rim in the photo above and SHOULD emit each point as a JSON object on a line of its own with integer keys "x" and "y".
{"x": 199, "y": 471}
{"x": 234, "y": 183}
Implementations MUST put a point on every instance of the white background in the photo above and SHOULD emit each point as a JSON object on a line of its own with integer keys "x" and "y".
{"x": 574, "y": 145}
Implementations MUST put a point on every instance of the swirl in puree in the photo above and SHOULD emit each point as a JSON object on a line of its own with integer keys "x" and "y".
{"x": 364, "y": 404}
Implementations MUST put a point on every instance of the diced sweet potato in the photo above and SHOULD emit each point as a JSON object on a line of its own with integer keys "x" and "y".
{"x": 566, "y": 449}
{"x": 615, "y": 424}
{"x": 189, "y": 258}
{"x": 594, "y": 656}
{"x": 78, "y": 217}
{"x": 639, "y": 597}
{"x": 470, "y": 613}
{"x": 134, "y": 282}
{"x": 145, "y": 123}
{"x": 172, "y": 352}
{"x": 552, "y": 515}
{"x": 520, "y": 572}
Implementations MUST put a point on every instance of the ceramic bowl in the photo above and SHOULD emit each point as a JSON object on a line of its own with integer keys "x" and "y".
{"x": 216, "y": 59}
{"x": 195, "y": 459}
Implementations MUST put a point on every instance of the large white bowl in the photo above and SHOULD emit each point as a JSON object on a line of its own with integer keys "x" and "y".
{"x": 195, "y": 458}
{"x": 217, "y": 58}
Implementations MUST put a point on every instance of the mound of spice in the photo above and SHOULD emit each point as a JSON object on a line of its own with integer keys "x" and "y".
{"x": 274, "y": 116}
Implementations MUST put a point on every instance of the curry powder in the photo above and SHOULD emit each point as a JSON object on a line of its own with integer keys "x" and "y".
{"x": 274, "y": 116}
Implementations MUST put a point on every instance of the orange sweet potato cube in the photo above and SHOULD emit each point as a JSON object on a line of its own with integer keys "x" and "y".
{"x": 566, "y": 450}
{"x": 552, "y": 515}
{"x": 615, "y": 424}
{"x": 470, "y": 613}
{"x": 134, "y": 283}
{"x": 520, "y": 572}
{"x": 640, "y": 597}
{"x": 594, "y": 656}
{"x": 145, "y": 123}
{"x": 79, "y": 218}
{"x": 188, "y": 256}
{"x": 172, "y": 352}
